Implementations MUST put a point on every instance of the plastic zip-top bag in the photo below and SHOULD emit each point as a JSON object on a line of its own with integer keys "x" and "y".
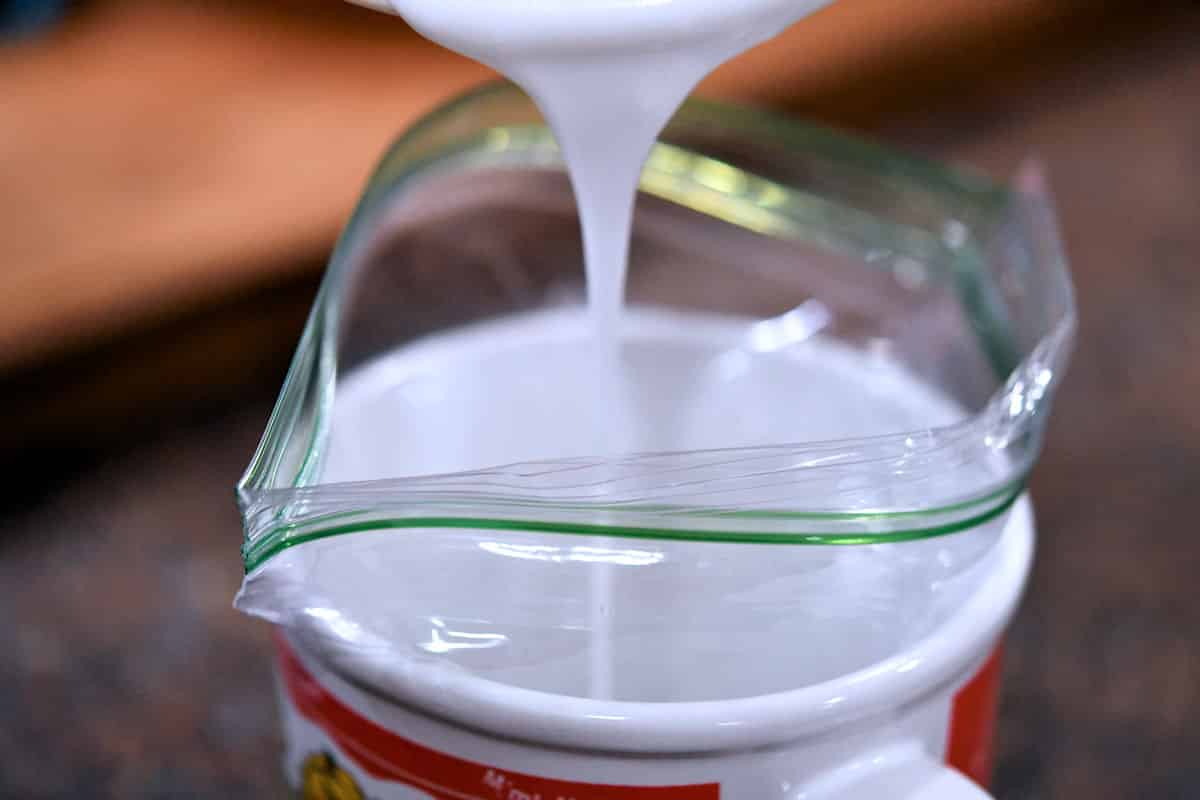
{"x": 821, "y": 401}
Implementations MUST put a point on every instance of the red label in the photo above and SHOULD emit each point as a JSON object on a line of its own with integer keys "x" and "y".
{"x": 388, "y": 756}
{"x": 971, "y": 746}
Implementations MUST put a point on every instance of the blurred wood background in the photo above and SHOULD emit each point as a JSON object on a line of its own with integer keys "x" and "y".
{"x": 179, "y": 167}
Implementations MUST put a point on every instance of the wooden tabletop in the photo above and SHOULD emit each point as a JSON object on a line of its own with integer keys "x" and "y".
{"x": 125, "y": 673}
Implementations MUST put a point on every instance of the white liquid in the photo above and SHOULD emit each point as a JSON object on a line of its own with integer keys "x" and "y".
{"x": 695, "y": 621}
{"x": 607, "y": 74}
{"x": 524, "y": 388}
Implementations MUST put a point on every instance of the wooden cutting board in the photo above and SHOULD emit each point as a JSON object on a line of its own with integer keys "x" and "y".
{"x": 159, "y": 156}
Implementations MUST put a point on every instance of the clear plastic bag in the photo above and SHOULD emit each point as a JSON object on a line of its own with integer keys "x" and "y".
{"x": 612, "y": 572}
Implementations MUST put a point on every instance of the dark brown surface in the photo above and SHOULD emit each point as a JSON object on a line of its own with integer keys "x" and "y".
{"x": 1103, "y": 680}
{"x": 125, "y": 673}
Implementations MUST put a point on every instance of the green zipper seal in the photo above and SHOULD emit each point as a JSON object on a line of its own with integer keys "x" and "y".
{"x": 284, "y": 537}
